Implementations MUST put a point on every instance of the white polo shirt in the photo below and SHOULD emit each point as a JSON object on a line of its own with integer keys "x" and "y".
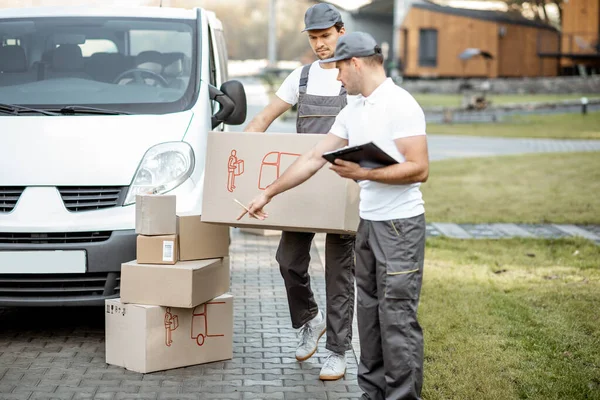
{"x": 389, "y": 113}
{"x": 321, "y": 82}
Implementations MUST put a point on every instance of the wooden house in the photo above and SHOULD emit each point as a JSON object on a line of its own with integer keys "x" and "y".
{"x": 579, "y": 47}
{"x": 434, "y": 36}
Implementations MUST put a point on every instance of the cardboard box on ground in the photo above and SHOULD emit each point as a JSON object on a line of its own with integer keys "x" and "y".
{"x": 147, "y": 338}
{"x": 325, "y": 203}
{"x": 167, "y": 312}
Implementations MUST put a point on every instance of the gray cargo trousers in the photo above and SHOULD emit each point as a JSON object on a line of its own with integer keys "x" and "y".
{"x": 293, "y": 256}
{"x": 389, "y": 272}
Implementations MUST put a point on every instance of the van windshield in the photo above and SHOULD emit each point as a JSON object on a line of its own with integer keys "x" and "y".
{"x": 135, "y": 65}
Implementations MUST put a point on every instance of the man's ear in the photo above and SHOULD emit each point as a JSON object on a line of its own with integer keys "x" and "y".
{"x": 355, "y": 63}
{"x": 342, "y": 30}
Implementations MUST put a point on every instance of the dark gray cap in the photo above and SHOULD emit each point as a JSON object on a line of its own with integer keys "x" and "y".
{"x": 321, "y": 16}
{"x": 355, "y": 44}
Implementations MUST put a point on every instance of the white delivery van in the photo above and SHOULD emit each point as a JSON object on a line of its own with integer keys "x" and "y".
{"x": 96, "y": 106}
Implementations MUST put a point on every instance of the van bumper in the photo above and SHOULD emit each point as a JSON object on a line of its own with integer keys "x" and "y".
{"x": 100, "y": 282}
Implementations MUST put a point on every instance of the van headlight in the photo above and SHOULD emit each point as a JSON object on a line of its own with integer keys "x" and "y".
{"x": 163, "y": 168}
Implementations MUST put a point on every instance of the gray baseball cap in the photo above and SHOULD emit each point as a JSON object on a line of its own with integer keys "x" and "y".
{"x": 355, "y": 44}
{"x": 321, "y": 16}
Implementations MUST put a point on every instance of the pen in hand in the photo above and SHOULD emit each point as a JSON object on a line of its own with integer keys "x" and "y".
{"x": 245, "y": 208}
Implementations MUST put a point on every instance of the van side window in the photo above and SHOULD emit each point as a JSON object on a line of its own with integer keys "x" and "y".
{"x": 211, "y": 60}
{"x": 222, "y": 51}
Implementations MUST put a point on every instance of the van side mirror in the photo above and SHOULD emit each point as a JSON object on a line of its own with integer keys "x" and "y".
{"x": 232, "y": 99}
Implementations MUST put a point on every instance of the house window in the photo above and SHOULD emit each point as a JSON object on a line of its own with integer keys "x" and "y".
{"x": 428, "y": 46}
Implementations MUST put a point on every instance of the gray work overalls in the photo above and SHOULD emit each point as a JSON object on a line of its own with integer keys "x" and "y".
{"x": 316, "y": 114}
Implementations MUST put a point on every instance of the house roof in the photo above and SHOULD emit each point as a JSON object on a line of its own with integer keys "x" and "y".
{"x": 386, "y": 7}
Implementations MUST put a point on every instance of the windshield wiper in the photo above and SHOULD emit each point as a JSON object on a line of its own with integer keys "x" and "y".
{"x": 19, "y": 110}
{"x": 72, "y": 110}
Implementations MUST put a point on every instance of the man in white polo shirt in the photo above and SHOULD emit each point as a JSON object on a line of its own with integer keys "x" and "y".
{"x": 390, "y": 241}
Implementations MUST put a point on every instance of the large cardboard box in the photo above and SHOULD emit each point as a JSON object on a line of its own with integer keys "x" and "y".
{"x": 157, "y": 249}
{"x": 144, "y": 338}
{"x": 155, "y": 214}
{"x": 185, "y": 284}
{"x": 324, "y": 203}
{"x": 261, "y": 232}
{"x": 199, "y": 240}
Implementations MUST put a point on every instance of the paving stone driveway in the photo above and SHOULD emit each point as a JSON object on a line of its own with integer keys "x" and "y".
{"x": 58, "y": 353}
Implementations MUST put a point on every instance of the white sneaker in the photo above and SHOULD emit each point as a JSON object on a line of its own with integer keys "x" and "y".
{"x": 309, "y": 337}
{"x": 334, "y": 367}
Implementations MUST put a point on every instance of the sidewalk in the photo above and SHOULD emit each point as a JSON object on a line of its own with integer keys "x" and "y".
{"x": 501, "y": 231}
{"x": 264, "y": 333}
{"x": 59, "y": 353}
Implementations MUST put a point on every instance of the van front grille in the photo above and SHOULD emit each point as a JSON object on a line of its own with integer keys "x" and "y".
{"x": 89, "y": 198}
{"x": 9, "y": 195}
{"x": 62, "y": 286}
{"x": 54, "y": 237}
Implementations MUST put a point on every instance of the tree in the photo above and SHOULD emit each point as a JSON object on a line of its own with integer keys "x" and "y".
{"x": 537, "y": 7}
{"x": 246, "y": 26}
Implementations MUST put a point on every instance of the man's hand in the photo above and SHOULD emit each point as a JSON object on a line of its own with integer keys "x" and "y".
{"x": 255, "y": 208}
{"x": 350, "y": 170}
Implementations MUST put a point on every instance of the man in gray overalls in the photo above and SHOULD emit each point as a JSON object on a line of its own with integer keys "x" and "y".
{"x": 320, "y": 98}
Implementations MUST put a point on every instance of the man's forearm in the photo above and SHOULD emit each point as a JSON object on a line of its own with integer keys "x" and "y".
{"x": 264, "y": 119}
{"x": 399, "y": 174}
{"x": 258, "y": 124}
{"x": 299, "y": 172}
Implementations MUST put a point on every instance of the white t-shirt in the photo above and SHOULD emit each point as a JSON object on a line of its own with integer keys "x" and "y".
{"x": 389, "y": 113}
{"x": 321, "y": 82}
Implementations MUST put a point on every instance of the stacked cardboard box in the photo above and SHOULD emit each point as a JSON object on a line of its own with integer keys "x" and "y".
{"x": 156, "y": 226}
{"x": 174, "y": 308}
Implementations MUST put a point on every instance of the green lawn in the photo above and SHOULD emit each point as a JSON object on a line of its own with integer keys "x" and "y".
{"x": 556, "y": 126}
{"x": 427, "y": 100}
{"x": 511, "y": 319}
{"x": 534, "y": 188}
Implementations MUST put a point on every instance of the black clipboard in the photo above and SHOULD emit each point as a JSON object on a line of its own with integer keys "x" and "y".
{"x": 367, "y": 155}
